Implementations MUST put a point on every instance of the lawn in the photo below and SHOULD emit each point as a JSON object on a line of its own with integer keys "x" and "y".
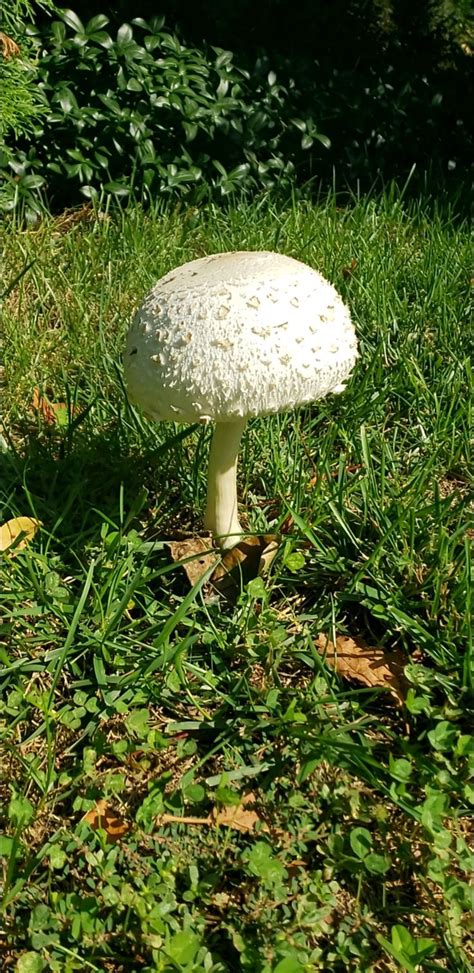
{"x": 325, "y": 818}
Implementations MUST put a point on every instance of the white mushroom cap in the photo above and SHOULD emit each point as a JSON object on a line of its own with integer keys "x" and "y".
{"x": 237, "y": 335}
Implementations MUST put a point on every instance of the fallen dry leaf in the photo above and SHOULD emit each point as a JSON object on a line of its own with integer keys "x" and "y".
{"x": 196, "y": 556}
{"x": 287, "y": 526}
{"x": 53, "y": 413}
{"x": 240, "y": 817}
{"x": 102, "y": 816}
{"x": 249, "y": 559}
{"x": 18, "y": 532}
{"x": 268, "y": 553}
{"x": 368, "y": 664}
{"x": 348, "y": 271}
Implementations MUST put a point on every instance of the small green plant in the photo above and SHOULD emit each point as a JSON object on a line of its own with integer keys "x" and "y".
{"x": 408, "y": 951}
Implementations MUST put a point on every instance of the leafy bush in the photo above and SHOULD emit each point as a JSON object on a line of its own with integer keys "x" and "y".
{"x": 142, "y": 113}
{"x": 392, "y": 80}
{"x": 133, "y": 109}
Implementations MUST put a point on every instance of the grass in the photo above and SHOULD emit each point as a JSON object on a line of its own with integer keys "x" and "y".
{"x": 121, "y": 684}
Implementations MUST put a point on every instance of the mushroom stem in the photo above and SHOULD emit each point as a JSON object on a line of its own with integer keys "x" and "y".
{"x": 221, "y": 516}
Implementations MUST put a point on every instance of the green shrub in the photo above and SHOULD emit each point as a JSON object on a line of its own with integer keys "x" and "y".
{"x": 392, "y": 79}
{"x": 135, "y": 110}
{"x": 142, "y": 113}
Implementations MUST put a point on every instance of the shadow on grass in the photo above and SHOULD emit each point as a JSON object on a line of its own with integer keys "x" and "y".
{"x": 75, "y": 485}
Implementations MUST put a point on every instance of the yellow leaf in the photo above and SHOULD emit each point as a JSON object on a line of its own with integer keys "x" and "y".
{"x": 17, "y": 533}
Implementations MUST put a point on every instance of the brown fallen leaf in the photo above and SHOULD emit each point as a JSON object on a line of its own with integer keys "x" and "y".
{"x": 240, "y": 817}
{"x": 53, "y": 413}
{"x": 268, "y": 554}
{"x": 348, "y": 271}
{"x": 17, "y": 533}
{"x": 195, "y": 554}
{"x": 102, "y": 816}
{"x": 41, "y": 405}
{"x": 249, "y": 559}
{"x": 368, "y": 664}
{"x": 287, "y": 526}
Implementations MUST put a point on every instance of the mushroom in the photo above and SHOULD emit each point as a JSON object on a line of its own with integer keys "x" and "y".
{"x": 229, "y": 337}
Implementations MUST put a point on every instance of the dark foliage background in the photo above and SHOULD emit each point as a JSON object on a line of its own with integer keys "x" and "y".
{"x": 355, "y": 91}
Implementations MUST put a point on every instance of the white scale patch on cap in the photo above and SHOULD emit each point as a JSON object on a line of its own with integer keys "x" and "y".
{"x": 238, "y": 335}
